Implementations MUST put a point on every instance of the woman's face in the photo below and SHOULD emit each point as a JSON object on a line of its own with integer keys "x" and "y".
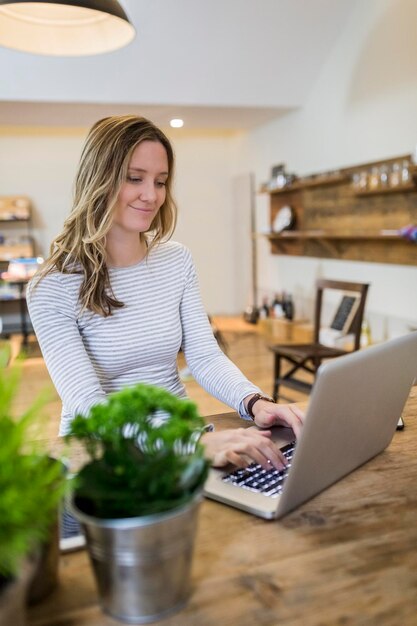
{"x": 143, "y": 193}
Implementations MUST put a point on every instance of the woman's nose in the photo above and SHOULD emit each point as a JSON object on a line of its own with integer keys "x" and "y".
{"x": 148, "y": 191}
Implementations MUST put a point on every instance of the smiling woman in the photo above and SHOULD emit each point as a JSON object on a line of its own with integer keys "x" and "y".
{"x": 116, "y": 301}
{"x": 101, "y": 188}
{"x": 138, "y": 202}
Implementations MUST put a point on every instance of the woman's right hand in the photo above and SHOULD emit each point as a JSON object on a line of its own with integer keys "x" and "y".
{"x": 242, "y": 446}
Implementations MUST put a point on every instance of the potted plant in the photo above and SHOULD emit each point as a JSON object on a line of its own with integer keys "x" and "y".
{"x": 31, "y": 487}
{"x": 137, "y": 498}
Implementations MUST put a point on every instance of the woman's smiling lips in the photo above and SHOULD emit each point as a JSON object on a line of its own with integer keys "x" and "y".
{"x": 139, "y": 208}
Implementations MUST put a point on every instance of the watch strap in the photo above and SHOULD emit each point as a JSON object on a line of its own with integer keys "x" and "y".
{"x": 255, "y": 398}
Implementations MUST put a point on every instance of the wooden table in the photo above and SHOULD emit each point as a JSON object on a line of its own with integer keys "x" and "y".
{"x": 349, "y": 556}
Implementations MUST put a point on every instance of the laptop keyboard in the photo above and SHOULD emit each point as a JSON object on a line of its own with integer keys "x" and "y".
{"x": 255, "y": 478}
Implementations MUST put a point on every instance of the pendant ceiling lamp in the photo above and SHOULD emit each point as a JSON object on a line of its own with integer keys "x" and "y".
{"x": 64, "y": 27}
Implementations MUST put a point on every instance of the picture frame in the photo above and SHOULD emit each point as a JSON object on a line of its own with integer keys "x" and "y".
{"x": 345, "y": 313}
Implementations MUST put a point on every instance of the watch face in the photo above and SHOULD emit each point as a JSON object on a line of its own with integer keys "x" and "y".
{"x": 284, "y": 219}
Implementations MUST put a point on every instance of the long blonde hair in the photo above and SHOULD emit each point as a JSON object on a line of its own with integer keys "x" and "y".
{"x": 80, "y": 248}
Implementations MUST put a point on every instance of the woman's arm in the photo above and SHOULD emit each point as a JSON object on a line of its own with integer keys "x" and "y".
{"x": 267, "y": 414}
{"x": 222, "y": 379}
{"x": 52, "y": 307}
{"x": 242, "y": 446}
{"x": 211, "y": 368}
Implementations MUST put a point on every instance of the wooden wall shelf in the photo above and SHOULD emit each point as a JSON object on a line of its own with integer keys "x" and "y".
{"x": 306, "y": 183}
{"x": 299, "y": 234}
{"x": 22, "y": 250}
{"x": 335, "y": 220}
{"x": 14, "y": 208}
{"x": 15, "y": 225}
{"x": 404, "y": 188}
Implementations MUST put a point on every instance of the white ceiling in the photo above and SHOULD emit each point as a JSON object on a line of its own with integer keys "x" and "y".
{"x": 84, "y": 115}
{"x": 224, "y": 64}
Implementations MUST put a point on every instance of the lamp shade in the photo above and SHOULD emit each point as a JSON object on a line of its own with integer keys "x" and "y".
{"x": 64, "y": 27}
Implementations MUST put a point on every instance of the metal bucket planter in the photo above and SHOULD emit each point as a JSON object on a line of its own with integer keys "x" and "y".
{"x": 142, "y": 565}
{"x": 13, "y": 597}
{"x": 45, "y": 577}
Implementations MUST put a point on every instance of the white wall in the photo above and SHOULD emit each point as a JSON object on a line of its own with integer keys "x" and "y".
{"x": 204, "y": 192}
{"x": 363, "y": 108}
{"x": 41, "y": 163}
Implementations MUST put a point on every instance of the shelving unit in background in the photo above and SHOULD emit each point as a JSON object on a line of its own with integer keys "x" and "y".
{"x": 16, "y": 241}
{"x": 15, "y": 228}
{"x": 334, "y": 218}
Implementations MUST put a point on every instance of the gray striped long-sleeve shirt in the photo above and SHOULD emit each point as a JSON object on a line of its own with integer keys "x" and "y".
{"x": 89, "y": 356}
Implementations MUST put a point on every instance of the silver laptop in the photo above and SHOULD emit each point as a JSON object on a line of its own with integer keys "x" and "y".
{"x": 352, "y": 416}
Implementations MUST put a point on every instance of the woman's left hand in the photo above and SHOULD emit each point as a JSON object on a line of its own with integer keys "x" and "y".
{"x": 269, "y": 414}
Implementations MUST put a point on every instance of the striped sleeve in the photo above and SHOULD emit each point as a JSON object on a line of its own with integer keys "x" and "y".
{"x": 211, "y": 368}
{"x": 52, "y": 309}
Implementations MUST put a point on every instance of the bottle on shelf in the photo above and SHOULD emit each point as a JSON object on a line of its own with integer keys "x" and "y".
{"x": 374, "y": 178}
{"x": 405, "y": 172}
{"x": 356, "y": 181}
{"x": 363, "y": 181}
{"x": 264, "y": 311}
{"x": 277, "y": 308}
{"x": 383, "y": 176}
{"x": 288, "y": 306}
{"x": 395, "y": 175}
{"x": 366, "y": 338}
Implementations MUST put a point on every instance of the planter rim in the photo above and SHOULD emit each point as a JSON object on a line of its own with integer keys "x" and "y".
{"x": 133, "y": 522}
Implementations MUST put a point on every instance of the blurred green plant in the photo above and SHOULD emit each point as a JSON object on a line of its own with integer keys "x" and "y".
{"x": 31, "y": 483}
{"x": 144, "y": 450}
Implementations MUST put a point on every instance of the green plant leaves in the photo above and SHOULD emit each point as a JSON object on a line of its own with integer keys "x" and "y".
{"x": 31, "y": 483}
{"x": 145, "y": 457}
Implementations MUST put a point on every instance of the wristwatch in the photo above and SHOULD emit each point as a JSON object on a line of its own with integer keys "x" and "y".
{"x": 255, "y": 398}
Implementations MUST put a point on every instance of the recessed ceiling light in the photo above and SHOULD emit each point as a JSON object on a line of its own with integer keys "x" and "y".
{"x": 177, "y": 123}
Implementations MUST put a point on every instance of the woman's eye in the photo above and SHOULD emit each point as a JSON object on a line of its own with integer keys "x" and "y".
{"x": 160, "y": 183}
{"x": 133, "y": 179}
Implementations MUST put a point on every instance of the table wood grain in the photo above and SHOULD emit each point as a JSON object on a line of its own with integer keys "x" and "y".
{"x": 346, "y": 557}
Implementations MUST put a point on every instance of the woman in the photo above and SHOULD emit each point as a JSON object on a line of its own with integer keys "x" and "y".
{"x": 116, "y": 300}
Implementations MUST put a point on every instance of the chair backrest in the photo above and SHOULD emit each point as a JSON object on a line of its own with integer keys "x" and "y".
{"x": 341, "y": 285}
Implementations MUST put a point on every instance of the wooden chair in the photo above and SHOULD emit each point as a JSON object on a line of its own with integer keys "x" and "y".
{"x": 218, "y": 335}
{"x": 308, "y": 357}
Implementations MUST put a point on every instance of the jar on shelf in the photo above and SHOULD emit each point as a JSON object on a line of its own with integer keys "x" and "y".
{"x": 383, "y": 176}
{"x": 374, "y": 178}
{"x": 366, "y": 337}
{"x": 395, "y": 175}
{"x": 363, "y": 180}
{"x": 356, "y": 181}
{"x": 405, "y": 172}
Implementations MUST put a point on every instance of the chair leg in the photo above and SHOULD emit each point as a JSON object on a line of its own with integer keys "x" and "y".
{"x": 277, "y": 375}
{"x": 316, "y": 365}
{"x": 221, "y": 341}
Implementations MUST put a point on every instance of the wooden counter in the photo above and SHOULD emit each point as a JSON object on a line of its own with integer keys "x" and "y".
{"x": 349, "y": 556}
